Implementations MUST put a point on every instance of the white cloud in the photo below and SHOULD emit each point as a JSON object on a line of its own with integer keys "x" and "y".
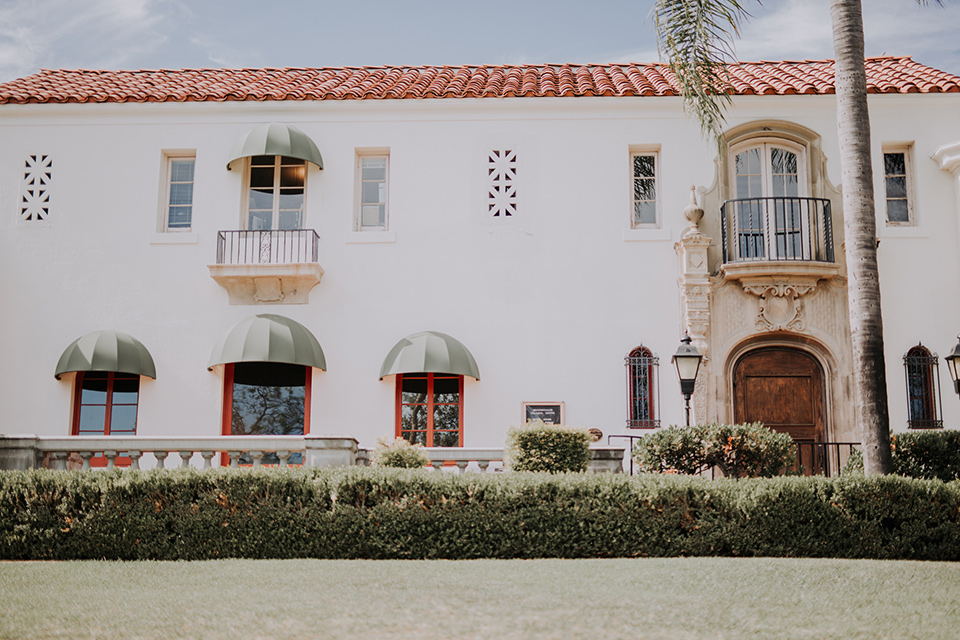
{"x": 93, "y": 33}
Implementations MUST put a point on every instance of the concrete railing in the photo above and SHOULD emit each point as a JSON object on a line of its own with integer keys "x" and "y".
{"x": 77, "y": 452}
{"x": 29, "y": 451}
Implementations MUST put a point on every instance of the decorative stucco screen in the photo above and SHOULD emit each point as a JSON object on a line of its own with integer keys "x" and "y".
{"x": 502, "y": 183}
{"x": 35, "y": 189}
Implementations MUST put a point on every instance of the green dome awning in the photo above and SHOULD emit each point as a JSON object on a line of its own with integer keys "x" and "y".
{"x": 269, "y": 338}
{"x": 430, "y": 352}
{"x": 107, "y": 351}
{"x": 276, "y": 139}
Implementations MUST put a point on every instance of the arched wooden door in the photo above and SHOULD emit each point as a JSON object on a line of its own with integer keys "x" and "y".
{"x": 782, "y": 388}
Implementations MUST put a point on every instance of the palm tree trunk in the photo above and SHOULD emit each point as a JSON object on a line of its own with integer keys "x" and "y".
{"x": 866, "y": 326}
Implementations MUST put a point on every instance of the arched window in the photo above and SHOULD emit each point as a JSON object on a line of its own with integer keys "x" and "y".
{"x": 923, "y": 386}
{"x": 642, "y": 389}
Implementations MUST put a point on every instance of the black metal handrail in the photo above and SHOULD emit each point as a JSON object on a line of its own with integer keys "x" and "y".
{"x": 777, "y": 228}
{"x": 269, "y": 246}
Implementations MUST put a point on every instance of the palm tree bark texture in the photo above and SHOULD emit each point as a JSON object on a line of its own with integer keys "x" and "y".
{"x": 697, "y": 38}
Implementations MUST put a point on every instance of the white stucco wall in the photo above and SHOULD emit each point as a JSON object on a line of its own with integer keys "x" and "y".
{"x": 549, "y": 302}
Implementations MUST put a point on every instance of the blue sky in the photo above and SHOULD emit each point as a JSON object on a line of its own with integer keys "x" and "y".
{"x": 149, "y": 34}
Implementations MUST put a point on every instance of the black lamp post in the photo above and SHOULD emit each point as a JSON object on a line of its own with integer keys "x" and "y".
{"x": 953, "y": 364}
{"x": 687, "y": 359}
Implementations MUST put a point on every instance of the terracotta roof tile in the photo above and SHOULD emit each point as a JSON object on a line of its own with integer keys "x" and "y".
{"x": 890, "y": 74}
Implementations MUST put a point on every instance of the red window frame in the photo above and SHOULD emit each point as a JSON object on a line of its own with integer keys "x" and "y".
{"x": 78, "y": 403}
{"x": 227, "y": 418}
{"x": 430, "y": 404}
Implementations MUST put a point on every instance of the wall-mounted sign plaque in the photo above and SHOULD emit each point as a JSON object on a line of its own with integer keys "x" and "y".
{"x": 549, "y": 412}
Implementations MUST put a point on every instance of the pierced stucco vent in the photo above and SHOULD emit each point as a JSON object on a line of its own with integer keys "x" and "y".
{"x": 35, "y": 189}
{"x": 502, "y": 183}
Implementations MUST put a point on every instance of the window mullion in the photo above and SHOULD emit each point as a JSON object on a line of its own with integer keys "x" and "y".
{"x": 277, "y": 162}
{"x": 109, "y": 408}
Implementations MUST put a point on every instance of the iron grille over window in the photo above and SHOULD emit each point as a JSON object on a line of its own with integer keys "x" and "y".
{"x": 923, "y": 389}
{"x": 642, "y": 388}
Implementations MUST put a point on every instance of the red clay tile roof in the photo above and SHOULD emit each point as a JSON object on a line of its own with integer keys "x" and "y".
{"x": 891, "y": 74}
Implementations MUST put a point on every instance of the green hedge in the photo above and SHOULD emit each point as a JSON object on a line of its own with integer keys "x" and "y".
{"x": 397, "y": 513}
{"x": 538, "y": 446}
{"x": 931, "y": 455}
{"x": 739, "y": 450}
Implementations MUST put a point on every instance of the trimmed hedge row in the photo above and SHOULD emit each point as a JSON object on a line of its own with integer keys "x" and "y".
{"x": 396, "y": 513}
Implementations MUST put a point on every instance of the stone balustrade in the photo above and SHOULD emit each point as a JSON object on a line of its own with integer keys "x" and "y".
{"x": 30, "y": 452}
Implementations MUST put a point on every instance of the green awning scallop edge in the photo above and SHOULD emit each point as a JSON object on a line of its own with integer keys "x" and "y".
{"x": 267, "y": 337}
{"x": 275, "y": 139}
{"x": 430, "y": 352}
{"x": 107, "y": 350}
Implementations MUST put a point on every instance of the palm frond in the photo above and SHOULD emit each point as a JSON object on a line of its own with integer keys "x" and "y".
{"x": 696, "y": 37}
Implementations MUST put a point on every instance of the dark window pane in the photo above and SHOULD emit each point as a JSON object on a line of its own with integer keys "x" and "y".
{"x": 897, "y": 187}
{"x": 180, "y": 217}
{"x": 894, "y": 164}
{"x": 644, "y": 189}
{"x": 446, "y": 390}
{"x": 181, "y": 193}
{"x": 643, "y": 166}
{"x": 268, "y": 398}
{"x": 416, "y": 437}
{"x": 446, "y": 439}
{"x": 292, "y": 176}
{"x": 897, "y": 211}
{"x": 413, "y": 416}
{"x": 446, "y": 417}
{"x": 287, "y": 161}
{"x": 261, "y": 178}
{"x": 262, "y": 160}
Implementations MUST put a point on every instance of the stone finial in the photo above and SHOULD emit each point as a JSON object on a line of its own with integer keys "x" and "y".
{"x": 693, "y": 212}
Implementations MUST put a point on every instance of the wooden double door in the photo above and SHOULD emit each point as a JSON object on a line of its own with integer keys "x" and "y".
{"x": 784, "y": 389}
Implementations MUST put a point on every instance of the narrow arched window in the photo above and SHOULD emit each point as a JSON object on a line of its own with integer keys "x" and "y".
{"x": 642, "y": 389}
{"x": 923, "y": 386}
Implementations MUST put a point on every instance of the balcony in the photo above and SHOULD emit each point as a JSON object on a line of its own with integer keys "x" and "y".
{"x": 272, "y": 266}
{"x": 777, "y": 236}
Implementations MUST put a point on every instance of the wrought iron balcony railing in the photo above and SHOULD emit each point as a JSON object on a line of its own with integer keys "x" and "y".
{"x": 270, "y": 246}
{"x": 777, "y": 228}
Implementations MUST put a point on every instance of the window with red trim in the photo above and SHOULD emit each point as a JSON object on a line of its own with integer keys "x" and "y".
{"x": 642, "y": 367}
{"x": 430, "y": 409}
{"x": 266, "y": 398}
{"x": 106, "y": 403}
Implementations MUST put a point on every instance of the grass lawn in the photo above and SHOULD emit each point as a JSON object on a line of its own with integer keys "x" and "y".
{"x": 677, "y": 598}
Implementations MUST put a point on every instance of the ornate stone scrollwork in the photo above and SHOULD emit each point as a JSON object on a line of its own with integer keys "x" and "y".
{"x": 779, "y": 307}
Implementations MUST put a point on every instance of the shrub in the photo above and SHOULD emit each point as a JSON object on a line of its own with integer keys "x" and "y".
{"x": 932, "y": 455}
{"x": 359, "y": 512}
{"x": 547, "y": 447}
{"x": 400, "y": 454}
{"x": 740, "y": 450}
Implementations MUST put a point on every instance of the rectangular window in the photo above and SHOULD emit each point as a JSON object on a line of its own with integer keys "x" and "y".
{"x": 897, "y": 185}
{"x": 429, "y": 409}
{"x": 276, "y": 191}
{"x": 644, "y": 189}
{"x": 178, "y": 207}
{"x": 372, "y": 175}
{"x": 105, "y": 403}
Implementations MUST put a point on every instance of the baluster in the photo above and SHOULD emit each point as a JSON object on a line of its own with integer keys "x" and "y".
{"x": 111, "y": 457}
{"x": 86, "y": 455}
{"x": 55, "y": 460}
{"x": 462, "y": 466}
{"x": 134, "y": 458}
{"x": 234, "y": 458}
{"x": 437, "y": 464}
{"x": 185, "y": 457}
{"x": 282, "y": 457}
{"x": 161, "y": 456}
{"x": 256, "y": 456}
{"x": 207, "y": 457}
{"x": 484, "y": 465}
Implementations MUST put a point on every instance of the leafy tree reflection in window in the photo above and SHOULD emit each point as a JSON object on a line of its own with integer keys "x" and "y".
{"x": 642, "y": 374}
{"x": 923, "y": 382}
{"x": 269, "y": 399}
{"x": 429, "y": 409}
